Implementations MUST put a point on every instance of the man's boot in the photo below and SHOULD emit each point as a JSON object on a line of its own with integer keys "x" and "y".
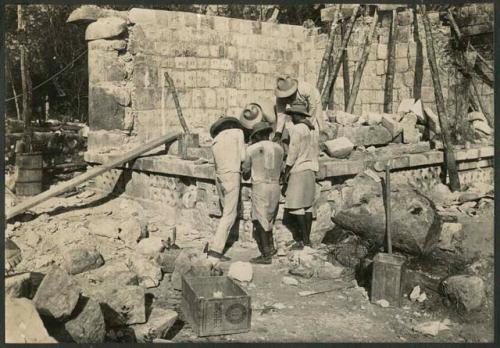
{"x": 290, "y": 222}
{"x": 256, "y": 236}
{"x": 270, "y": 241}
{"x": 307, "y": 234}
{"x": 302, "y": 227}
{"x": 265, "y": 258}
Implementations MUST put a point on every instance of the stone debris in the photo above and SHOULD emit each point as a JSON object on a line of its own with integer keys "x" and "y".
{"x": 373, "y": 118}
{"x": 411, "y": 134}
{"x": 391, "y": 125}
{"x": 417, "y": 109}
{"x": 466, "y": 292}
{"x": 241, "y": 271}
{"x": 432, "y": 120}
{"x": 345, "y": 118}
{"x": 88, "y": 324}
{"x": 476, "y": 116}
{"x": 189, "y": 262}
{"x": 482, "y": 127}
{"x": 339, "y": 148}
{"x": 105, "y": 28}
{"x": 432, "y": 328}
{"x": 166, "y": 259}
{"x": 23, "y": 323}
{"x": 383, "y": 303}
{"x": 150, "y": 246}
{"x": 18, "y": 285}
{"x": 104, "y": 227}
{"x": 290, "y": 281}
{"x": 417, "y": 295}
{"x": 451, "y": 235}
{"x": 159, "y": 322}
{"x": 148, "y": 272}
{"x": 57, "y": 295}
{"x": 131, "y": 231}
{"x": 81, "y": 260}
{"x": 406, "y": 105}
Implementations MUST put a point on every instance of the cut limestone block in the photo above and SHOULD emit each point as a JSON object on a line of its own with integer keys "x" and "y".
{"x": 391, "y": 125}
{"x": 345, "y": 118}
{"x": 339, "y": 148}
{"x": 406, "y": 105}
{"x": 373, "y": 118}
{"x": 433, "y": 120}
{"x": 482, "y": 127}
{"x": 365, "y": 135}
{"x": 88, "y": 325}
{"x": 476, "y": 116}
{"x": 159, "y": 322}
{"x": 467, "y": 292}
{"x": 80, "y": 260}
{"x": 105, "y": 28}
{"x": 417, "y": 109}
{"x": 411, "y": 134}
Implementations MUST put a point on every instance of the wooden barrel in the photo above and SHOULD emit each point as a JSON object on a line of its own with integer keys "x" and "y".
{"x": 29, "y": 176}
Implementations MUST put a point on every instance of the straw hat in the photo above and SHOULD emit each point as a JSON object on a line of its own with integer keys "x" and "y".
{"x": 254, "y": 113}
{"x": 260, "y": 127}
{"x": 215, "y": 128}
{"x": 285, "y": 87}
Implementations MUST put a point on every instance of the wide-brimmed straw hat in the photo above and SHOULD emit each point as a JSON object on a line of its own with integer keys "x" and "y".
{"x": 285, "y": 87}
{"x": 254, "y": 113}
{"x": 297, "y": 108}
{"x": 260, "y": 127}
{"x": 215, "y": 128}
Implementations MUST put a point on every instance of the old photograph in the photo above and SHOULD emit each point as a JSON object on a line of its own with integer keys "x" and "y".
{"x": 249, "y": 173}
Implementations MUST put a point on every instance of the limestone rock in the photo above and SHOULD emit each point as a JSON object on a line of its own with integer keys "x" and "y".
{"x": 105, "y": 227}
{"x": 329, "y": 271}
{"x": 410, "y": 132}
{"x": 148, "y": 272}
{"x": 57, "y": 295}
{"x": 416, "y": 226}
{"x": 191, "y": 263}
{"x": 91, "y": 13}
{"x": 166, "y": 260}
{"x": 373, "y": 118}
{"x": 391, "y": 125}
{"x": 81, "y": 260}
{"x": 88, "y": 325}
{"x": 105, "y": 28}
{"x": 241, "y": 271}
{"x": 339, "y": 148}
{"x": 417, "y": 109}
{"x": 131, "y": 231}
{"x": 432, "y": 120}
{"x": 365, "y": 135}
{"x": 345, "y": 118}
{"x": 465, "y": 291}
{"x": 290, "y": 281}
{"x": 150, "y": 246}
{"x": 18, "y": 285}
{"x": 482, "y": 127}
{"x": 468, "y": 196}
{"x": 451, "y": 234}
{"x": 406, "y": 105}
{"x": 432, "y": 328}
{"x": 323, "y": 222}
{"x": 159, "y": 322}
{"x": 23, "y": 323}
{"x": 121, "y": 305}
{"x": 476, "y": 116}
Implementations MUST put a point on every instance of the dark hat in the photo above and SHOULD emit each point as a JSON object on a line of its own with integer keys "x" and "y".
{"x": 215, "y": 128}
{"x": 285, "y": 87}
{"x": 298, "y": 108}
{"x": 260, "y": 127}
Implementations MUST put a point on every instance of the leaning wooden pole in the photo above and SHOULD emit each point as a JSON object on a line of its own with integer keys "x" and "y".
{"x": 171, "y": 87}
{"x": 337, "y": 61}
{"x": 449, "y": 154}
{"x": 67, "y": 185}
{"x": 345, "y": 68}
{"x": 474, "y": 84}
{"x": 391, "y": 66}
{"x": 358, "y": 74}
{"x": 328, "y": 52}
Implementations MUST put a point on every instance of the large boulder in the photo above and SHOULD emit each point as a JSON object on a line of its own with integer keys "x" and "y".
{"x": 465, "y": 291}
{"x": 105, "y": 28}
{"x": 415, "y": 228}
{"x": 87, "y": 326}
{"x": 23, "y": 323}
{"x": 57, "y": 295}
{"x": 91, "y": 13}
{"x": 80, "y": 260}
{"x": 345, "y": 118}
{"x": 159, "y": 322}
{"x": 339, "y": 148}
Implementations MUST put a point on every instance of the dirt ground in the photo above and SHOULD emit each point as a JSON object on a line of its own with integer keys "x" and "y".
{"x": 344, "y": 315}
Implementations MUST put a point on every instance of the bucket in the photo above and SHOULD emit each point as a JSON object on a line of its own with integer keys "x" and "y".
{"x": 29, "y": 177}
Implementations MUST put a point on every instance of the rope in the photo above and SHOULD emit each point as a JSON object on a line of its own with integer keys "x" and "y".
{"x": 70, "y": 65}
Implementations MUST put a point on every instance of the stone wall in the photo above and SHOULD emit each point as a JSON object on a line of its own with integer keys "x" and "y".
{"x": 220, "y": 64}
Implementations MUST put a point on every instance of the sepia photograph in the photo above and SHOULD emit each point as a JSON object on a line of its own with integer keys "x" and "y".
{"x": 297, "y": 173}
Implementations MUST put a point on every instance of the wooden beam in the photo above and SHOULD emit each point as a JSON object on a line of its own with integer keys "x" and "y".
{"x": 449, "y": 155}
{"x": 358, "y": 74}
{"x": 391, "y": 65}
{"x": 67, "y": 185}
{"x": 345, "y": 68}
{"x": 336, "y": 62}
{"x": 328, "y": 52}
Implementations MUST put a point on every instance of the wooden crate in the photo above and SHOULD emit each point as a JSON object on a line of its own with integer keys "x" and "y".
{"x": 215, "y": 316}
{"x": 387, "y": 278}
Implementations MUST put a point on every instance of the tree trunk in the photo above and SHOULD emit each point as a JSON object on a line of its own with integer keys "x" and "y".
{"x": 336, "y": 63}
{"x": 345, "y": 68}
{"x": 25, "y": 75}
{"x": 391, "y": 66}
{"x": 328, "y": 52}
{"x": 11, "y": 78}
{"x": 358, "y": 74}
{"x": 449, "y": 155}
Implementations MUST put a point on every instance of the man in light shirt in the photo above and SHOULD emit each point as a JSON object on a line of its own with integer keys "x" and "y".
{"x": 228, "y": 149}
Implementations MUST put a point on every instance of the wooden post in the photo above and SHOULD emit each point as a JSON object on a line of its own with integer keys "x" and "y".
{"x": 345, "y": 67}
{"x": 328, "y": 52}
{"x": 449, "y": 155}
{"x": 358, "y": 74}
{"x": 14, "y": 92}
{"x": 391, "y": 65}
{"x": 474, "y": 84}
{"x": 25, "y": 75}
{"x": 336, "y": 62}
{"x": 171, "y": 88}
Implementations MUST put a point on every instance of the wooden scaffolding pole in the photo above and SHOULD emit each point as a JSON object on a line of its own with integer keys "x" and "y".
{"x": 337, "y": 61}
{"x": 328, "y": 52}
{"x": 391, "y": 65}
{"x": 358, "y": 74}
{"x": 449, "y": 154}
{"x": 345, "y": 67}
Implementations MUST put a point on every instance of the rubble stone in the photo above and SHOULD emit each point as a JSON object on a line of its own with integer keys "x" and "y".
{"x": 191, "y": 263}
{"x": 241, "y": 271}
{"x": 91, "y": 13}
{"x": 166, "y": 260}
{"x": 482, "y": 127}
{"x": 476, "y": 116}
{"x": 18, "y": 285}
{"x": 57, "y": 295}
{"x": 148, "y": 272}
{"x": 290, "y": 281}
{"x": 345, "y": 118}
{"x": 150, "y": 246}
{"x": 105, "y": 227}
{"x": 159, "y": 322}
{"x": 391, "y": 125}
{"x": 105, "y": 28}
{"x": 451, "y": 233}
{"x": 365, "y": 135}
{"x": 466, "y": 291}
{"x": 131, "y": 231}
{"x": 88, "y": 325}
{"x": 339, "y": 148}
{"x": 406, "y": 105}
{"x": 373, "y": 118}
{"x": 329, "y": 271}
{"x": 432, "y": 120}
{"x": 82, "y": 260}
{"x": 23, "y": 323}
{"x": 411, "y": 134}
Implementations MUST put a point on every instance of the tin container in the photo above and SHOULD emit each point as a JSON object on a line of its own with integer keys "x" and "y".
{"x": 215, "y": 305}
